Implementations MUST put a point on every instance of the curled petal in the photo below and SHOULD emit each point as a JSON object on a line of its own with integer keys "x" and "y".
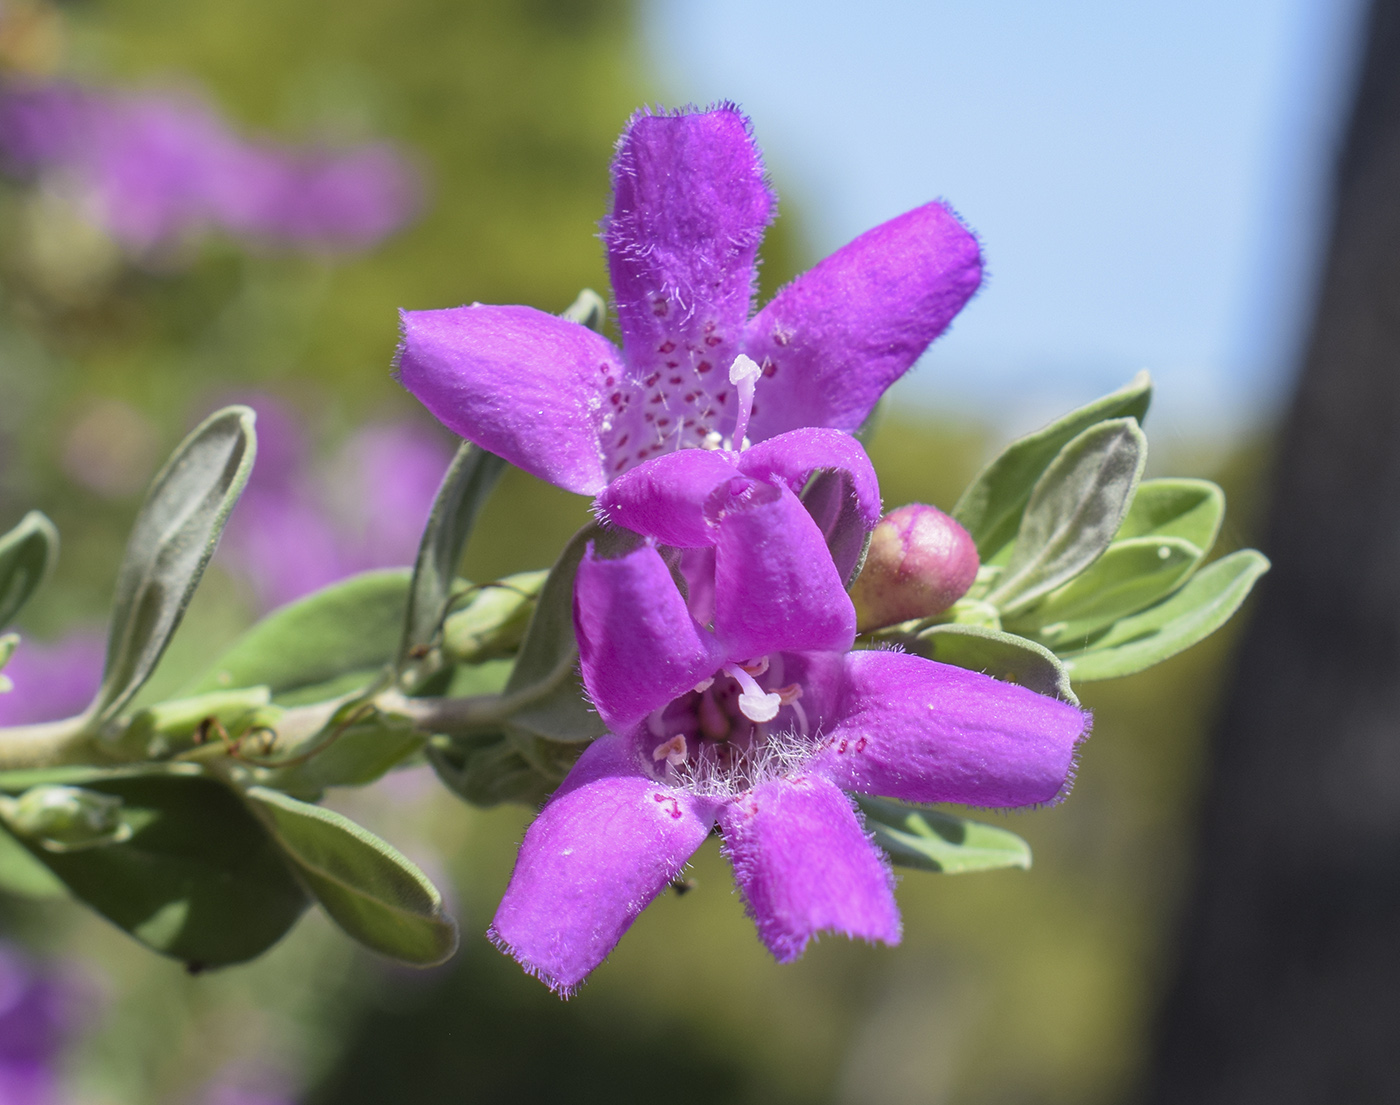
{"x": 690, "y": 205}
{"x": 804, "y": 865}
{"x": 638, "y": 645}
{"x": 834, "y": 339}
{"x": 521, "y": 383}
{"x": 776, "y": 587}
{"x": 665, "y": 497}
{"x": 910, "y": 728}
{"x": 793, "y": 457}
{"x": 607, "y": 843}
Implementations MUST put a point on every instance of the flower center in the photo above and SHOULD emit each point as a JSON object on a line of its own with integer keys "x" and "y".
{"x": 733, "y": 730}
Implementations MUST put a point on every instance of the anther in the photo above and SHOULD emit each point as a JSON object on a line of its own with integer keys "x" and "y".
{"x": 672, "y": 751}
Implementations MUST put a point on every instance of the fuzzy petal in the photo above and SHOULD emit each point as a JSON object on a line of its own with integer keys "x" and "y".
{"x": 690, "y": 205}
{"x": 638, "y": 645}
{"x": 909, "y": 728}
{"x": 804, "y": 865}
{"x": 607, "y": 843}
{"x": 834, "y": 339}
{"x": 793, "y": 457}
{"x": 775, "y": 585}
{"x": 665, "y": 497}
{"x": 519, "y": 382}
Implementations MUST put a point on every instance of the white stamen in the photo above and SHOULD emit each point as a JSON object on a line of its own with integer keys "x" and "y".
{"x": 673, "y": 751}
{"x": 704, "y": 685}
{"x": 656, "y": 725}
{"x": 743, "y": 374}
{"x": 756, "y": 667}
{"x": 755, "y": 703}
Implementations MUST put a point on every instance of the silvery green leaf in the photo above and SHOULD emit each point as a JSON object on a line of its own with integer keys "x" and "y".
{"x": 175, "y": 534}
{"x": 493, "y": 622}
{"x": 990, "y": 509}
{"x": 1190, "y": 615}
{"x": 545, "y": 680}
{"x": 27, "y": 555}
{"x": 197, "y": 879}
{"x": 1130, "y": 576}
{"x": 369, "y": 889}
{"x": 469, "y": 482}
{"x": 158, "y": 730}
{"x": 65, "y": 818}
{"x": 349, "y": 628}
{"x": 929, "y": 839}
{"x": 353, "y": 754}
{"x": 1074, "y": 511}
{"x": 589, "y": 309}
{"x": 1001, "y": 655}
{"x": 830, "y": 499}
{"x": 1189, "y": 509}
{"x": 487, "y": 769}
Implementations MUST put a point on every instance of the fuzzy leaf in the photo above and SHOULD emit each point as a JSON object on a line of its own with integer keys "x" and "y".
{"x": 1130, "y": 576}
{"x": 493, "y": 622}
{"x": 929, "y": 839}
{"x": 197, "y": 879}
{"x": 1193, "y": 613}
{"x": 355, "y": 756}
{"x": 175, "y": 534}
{"x": 349, "y": 627}
{"x": 1189, "y": 509}
{"x": 369, "y": 889}
{"x": 991, "y": 507}
{"x": 487, "y": 769}
{"x": 22, "y": 874}
{"x": 1073, "y": 513}
{"x": 27, "y": 555}
{"x": 470, "y": 480}
{"x": 1001, "y": 655}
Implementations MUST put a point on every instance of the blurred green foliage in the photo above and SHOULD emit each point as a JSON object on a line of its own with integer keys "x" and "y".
{"x": 1009, "y": 987}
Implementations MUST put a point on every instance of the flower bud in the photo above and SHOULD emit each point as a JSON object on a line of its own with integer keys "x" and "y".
{"x": 920, "y": 562}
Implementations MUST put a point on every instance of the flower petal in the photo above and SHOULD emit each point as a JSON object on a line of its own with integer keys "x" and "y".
{"x": 793, "y": 457}
{"x": 689, "y": 208}
{"x": 665, "y": 497}
{"x": 638, "y": 645}
{"x": 607, "y": 843}
{"x": 775, "y": 585}
{"x": 804, "y": 865}
{"x": 911, "y": 728}
{"x": 834, "y": 339}
{"x": 519, "y": 382}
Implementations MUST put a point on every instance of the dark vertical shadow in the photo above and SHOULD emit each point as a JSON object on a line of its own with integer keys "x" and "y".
{"x": 1288, "y": 988}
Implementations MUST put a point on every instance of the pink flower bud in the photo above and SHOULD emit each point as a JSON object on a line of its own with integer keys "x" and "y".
{"x": 920, "y": 563}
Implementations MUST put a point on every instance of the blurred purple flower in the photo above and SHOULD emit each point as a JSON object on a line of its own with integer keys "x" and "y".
{"x": 298, "y": 528}
{"x": 39, "y": 1011}
{"x": 54, "y": 680}
{"x": 155, "y": 167}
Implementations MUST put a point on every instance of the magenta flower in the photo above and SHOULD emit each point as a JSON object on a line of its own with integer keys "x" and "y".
{"x": 53, "y": 681}
{"x": 154, "y": 168}
{"x": 39, "y": 1012}
{"x": 750, "y": 730}
{"x": 690, "y": 205}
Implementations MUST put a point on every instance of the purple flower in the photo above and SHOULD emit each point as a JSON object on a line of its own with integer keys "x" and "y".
{"x": 690, "y": 204}
{"x": 53, "y": 681}
{"x": 753, "y": 729}
{"x": 38, "y": 1013}
{"x": 154, "y": 168}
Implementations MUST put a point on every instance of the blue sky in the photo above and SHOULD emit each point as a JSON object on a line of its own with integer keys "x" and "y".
{"x": 1148, "y": 179}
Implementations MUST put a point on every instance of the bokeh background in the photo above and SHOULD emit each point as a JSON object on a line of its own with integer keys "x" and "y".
{"x": 1150, "y": 186}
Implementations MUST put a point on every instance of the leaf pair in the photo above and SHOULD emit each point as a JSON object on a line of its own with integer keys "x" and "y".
{"x": 194, "y": 873}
